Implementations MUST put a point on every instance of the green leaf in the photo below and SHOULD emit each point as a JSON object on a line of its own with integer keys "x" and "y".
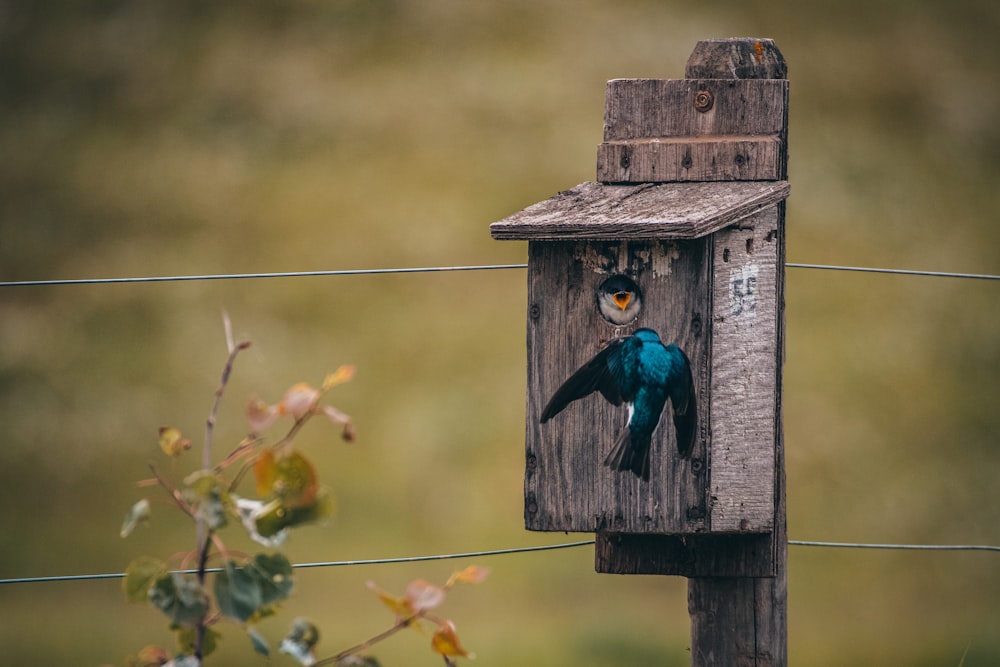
{"x": 186, "y": 637}
{"x": 138, "y": 513}
{"x": 202, "y": 482}
{"x": 180, "y": 597}
{"x": 238, "y": 591}
{"x": 295, "y": 480}
{"x": 276, "y": 580}
{"x": 275, "y": 517}
{"x": 246, "y": 591}
{"x": 249, "y": 511}
{"x": 260, "y": 644}
{"x": 208, "y": 497}
{"x": 271, "y": 519}
{"x": 139, "y": 577}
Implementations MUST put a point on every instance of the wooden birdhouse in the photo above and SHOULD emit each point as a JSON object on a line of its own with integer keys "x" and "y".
{"x": 688, "y": 206}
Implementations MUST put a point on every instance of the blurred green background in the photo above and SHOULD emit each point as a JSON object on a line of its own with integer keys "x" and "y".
{"x": 163, "y": 138}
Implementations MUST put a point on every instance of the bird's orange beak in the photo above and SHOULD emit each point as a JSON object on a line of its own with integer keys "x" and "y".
{"x": 622, "y": 299}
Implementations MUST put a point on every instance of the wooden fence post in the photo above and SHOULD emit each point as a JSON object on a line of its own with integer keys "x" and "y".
{"x": 744, "y": 620}
{"x": 688, "y": 208}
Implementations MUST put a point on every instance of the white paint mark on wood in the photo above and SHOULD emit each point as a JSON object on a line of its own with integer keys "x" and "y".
{"x": 743, "y": 291}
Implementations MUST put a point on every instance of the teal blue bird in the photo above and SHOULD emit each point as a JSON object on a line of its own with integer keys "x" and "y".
{"x": 642, "y": 372}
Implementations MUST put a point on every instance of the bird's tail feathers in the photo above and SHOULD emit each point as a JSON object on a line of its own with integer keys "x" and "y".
{"x": 629, "y": 454}
{"x": 685, "y": 418}
{"x": 685, "y": 424}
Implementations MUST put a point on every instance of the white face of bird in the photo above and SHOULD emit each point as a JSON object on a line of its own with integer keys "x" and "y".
{"x": 619, "y": 300}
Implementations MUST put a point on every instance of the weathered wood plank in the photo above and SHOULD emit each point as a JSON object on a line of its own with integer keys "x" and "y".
{"x": 736, "y": 59}
{"x": 725, "y": 634}
{"x": 679, "y": 159}
{"x": 700, "y": 555}
{"x": 663, "y": 211}
{"x": 740, "y": 620}
{"x": 735, "y": 621}
{"x": 567, "y": 487}
{"x": 661, "y": 130}
{"x": 745, "y": 366}
{"x": 656, "y": 108}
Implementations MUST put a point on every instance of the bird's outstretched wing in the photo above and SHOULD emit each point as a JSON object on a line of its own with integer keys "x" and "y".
{"x": 685, "y": 409}
{"x": 593, "y": 376}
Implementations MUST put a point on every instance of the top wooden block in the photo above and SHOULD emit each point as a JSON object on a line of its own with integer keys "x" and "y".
{"x": 666, "y": 130}
{"x": 726, "y": 121}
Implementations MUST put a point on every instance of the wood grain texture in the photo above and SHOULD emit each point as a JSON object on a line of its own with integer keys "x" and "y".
{"x": 699, "y": 555}
{"x": 567, "y": 487}
{"x": 744, "y": 369}
{"x": 690, "y": 159}
{"x": 726, "y": 635}
{"x": 744, "y": 620}
{"x": 661, "y": 130}
{"x": 740, "y": 58}
{"x": 656, "y": 108}
{"x": 661, "y": 211}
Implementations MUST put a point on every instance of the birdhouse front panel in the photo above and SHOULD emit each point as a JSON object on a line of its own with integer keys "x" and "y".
{"x": 712, "y": 308}
{"x": 661, "y": 286}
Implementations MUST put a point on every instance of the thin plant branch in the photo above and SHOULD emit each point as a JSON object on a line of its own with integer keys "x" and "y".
{"x": 174, "y": 493}
{"x": 401, "y": 624}
{"x": 234, "y": 349}
{"x": 200, "y": 628}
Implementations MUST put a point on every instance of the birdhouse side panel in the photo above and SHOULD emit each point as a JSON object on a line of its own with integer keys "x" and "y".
{"x": 567, "y": 485}
{"x": 745, "y": 372}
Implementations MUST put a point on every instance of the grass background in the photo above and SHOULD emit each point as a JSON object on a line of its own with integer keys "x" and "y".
{"x": 156, "y": 138}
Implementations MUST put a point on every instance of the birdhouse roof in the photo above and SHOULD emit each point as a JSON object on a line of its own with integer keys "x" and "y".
{"x": 686, "y": 210}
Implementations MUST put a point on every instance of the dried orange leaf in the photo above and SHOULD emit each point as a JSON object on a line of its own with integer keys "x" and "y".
{"x": 474, "y": 574}
{"x": 152, "y": 655}
{"x": 349, "y": 435}
{"x": 260, "y": 415}
{"x": 399, "y": 606}
{"x": 299, "y": 400}
{"x": 340, "y": 376}
{"x": 423, "y": 596}
{"x": 264, "y": 473}
{"x": 172, "y": 442}
{"x": 445, "y": 642}
{"x": 338, "y": 417}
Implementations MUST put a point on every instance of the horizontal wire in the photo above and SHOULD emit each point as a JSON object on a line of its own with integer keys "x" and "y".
{"x": 913, "y": 547}
{"x": 434, "y": 269}
{"x": 340, "y": 563}
{"x": 243, "y": 276}
{"x": 904, "y": 272}
{"x": 468, "y": 554}
{"x": 409, "y": 559}
{"x": 513, "y": 550}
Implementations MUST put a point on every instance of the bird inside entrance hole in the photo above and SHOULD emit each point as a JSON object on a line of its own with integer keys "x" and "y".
{"x": 642, "y": 372}
{"x": 619, "y": 299}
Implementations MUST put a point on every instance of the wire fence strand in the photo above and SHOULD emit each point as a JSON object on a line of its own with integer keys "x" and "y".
{"x": 434, "y": 269}
{"x": 901, "y": 272}
{"x": 501, "y": 552}
{"x": 905, "y": 547}
{"x": 248, "y": 276}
